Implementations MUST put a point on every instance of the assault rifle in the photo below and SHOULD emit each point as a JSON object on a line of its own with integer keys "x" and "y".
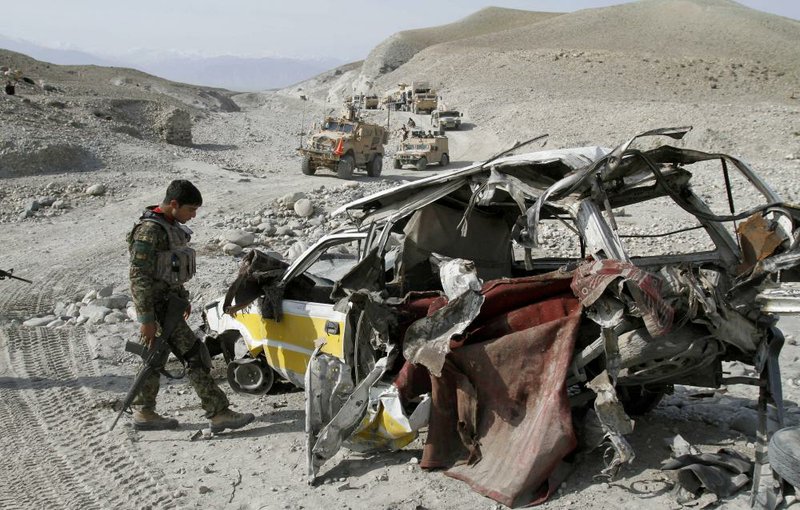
{"x": 156, "y": 356}
{"x": 7, "y": 274}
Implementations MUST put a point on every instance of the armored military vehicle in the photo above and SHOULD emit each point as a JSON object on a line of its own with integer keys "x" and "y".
{"x": 343, "y": 145}
{"x": 421, "y": 149}
{"x": 371, "y": 102}
{"x": 424, "y": 98}
{"x": 442, "y": 120}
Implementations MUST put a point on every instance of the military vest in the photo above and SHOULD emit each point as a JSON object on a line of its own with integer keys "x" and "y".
{"x": 176, "y": 265}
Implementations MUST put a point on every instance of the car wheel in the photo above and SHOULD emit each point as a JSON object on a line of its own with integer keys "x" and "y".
{"x": 306, "y": 167}
{"x": 422, "y": 163}
{"x": 445, "y": 160}
{"x": 250, "y": 375}
{"x": 397, "y": 165}
{"x": 344, "y": 169}
{"x": 375, "y": 166}
{"x": 784, "y": 454}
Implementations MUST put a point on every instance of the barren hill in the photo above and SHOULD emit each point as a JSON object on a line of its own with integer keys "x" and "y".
{"x": 401, "y": 47}
{"x": 80, "y": 155}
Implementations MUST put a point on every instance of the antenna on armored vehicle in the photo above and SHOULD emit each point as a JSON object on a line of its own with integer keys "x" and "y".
{"x": 304, "y": 98}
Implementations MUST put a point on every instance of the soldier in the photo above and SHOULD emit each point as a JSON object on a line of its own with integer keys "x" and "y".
{"x": 161, "y": 261}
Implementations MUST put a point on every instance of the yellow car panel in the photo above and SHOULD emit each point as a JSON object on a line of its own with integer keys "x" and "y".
{"x": 288, "y": 344}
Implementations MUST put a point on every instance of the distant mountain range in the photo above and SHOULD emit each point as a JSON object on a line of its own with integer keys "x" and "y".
{"x": 227, "y": 71}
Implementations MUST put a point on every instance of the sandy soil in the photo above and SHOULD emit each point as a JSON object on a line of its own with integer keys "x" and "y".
{"x": 58, "y": 386}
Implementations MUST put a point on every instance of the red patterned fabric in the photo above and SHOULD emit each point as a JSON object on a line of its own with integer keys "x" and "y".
{"x": 500, "y": 416}
{"x": 593, "y": 278}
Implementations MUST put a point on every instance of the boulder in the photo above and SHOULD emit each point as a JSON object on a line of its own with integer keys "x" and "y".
{"x": 240, "y": 237}
{"x": 232, "y": 249}
{"x": 96, "y": 190}
{"x": 94, "y": 313}
{"x": 39, "y": 321}
{"x": 304, "y": 208}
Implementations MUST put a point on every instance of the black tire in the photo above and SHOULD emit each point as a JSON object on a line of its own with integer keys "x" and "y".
{"x": 639, "y": 400}
{"x": 397, "y": 165}
{"x": 445, "y": 160}
{"x": 344, "y": 169}
{"x": 784, "y": 454}
{"x": 252, "y": 376}
{"x": 375, "y": 166}
{"x": 306, "y": 167}
{"x": 422, "y": 163}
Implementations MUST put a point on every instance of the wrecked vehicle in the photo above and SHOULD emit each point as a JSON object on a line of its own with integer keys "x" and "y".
{"x": 520, "y": 303}
{"x": 442, "y": 120}
{"x": 343, "y": 145}
{"x": 422, "y": 149}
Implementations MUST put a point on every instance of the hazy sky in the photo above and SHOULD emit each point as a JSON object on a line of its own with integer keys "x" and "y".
{"x": 300, "y": 28}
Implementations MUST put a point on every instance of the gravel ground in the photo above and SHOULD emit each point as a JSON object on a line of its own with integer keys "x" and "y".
{"x": 551, "y": 74}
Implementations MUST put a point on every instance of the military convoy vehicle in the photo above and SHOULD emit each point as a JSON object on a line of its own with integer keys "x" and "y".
{"x": 344, "y": 144}
{"x": 423, "y": 98}
{"x": 421, "y": 149}
{"x": 371, "y": 102}
{"x": 442, "y": 120}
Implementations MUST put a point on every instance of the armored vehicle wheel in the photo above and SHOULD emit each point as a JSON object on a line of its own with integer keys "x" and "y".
{"x": 344, "y": 169}
{"x": 422, "y": 163}
{"x": 397, "y": 164}
{"x": 445, "y": 160}
{"x": 250, "y": 375}
{"x": 306, "y": 167}
{"x": 375, "y": 166}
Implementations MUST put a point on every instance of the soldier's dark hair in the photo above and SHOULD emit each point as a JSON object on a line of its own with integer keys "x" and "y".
{"x": 184, "y": 192}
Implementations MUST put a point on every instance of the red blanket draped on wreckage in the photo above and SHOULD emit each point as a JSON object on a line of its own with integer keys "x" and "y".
{"x": 500, "y": 417}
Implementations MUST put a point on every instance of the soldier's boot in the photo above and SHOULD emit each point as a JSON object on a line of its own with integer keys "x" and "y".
{"x": 228, "y": 419}
{"x": 147, "y": 419}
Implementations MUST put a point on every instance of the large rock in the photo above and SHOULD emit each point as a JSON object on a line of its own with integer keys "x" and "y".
{"x": 94, "y": 313}
{"x": 175, "y": 127}
{"x": 240, "y": 237}
{"x": 39, "y": 321}
{"x": 232, "y": 249}
{"x": 105, "y": 291}
{"x": 296, "y": 250}
{"x": 117, "y": 301}
{"x": 96, "y": 190}
{"x": 304, "y": 208}
{"x": 290, "y": 199}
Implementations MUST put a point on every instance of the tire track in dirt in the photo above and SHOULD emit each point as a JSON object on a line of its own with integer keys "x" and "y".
{"x": 61, "y": 458}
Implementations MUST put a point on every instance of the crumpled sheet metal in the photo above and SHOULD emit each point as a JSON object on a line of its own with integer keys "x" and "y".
{"x": 501, "y": 405}
{"x": 459, "y": 276}
{"x": 614, "y": 421}
{"x": 703, "y": 307}
{"x": 593, "y": 278}
{"x": 387, "y": 426}
{"x": 758, "y": 240}
{"x": 427, "y": 341}
{"x": 724, "y": 473}
{"x": 327, "y": 386}
{"x": 333, "y": 408}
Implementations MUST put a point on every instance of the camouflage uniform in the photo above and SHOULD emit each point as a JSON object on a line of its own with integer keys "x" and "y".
{"x": 147, "y": 243}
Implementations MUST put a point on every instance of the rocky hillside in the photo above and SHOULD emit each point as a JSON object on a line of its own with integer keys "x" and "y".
{"x": 63, "y": 118}
{"x": 402, "y": 46}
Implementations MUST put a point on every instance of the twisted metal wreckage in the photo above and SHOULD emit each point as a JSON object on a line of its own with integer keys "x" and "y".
{"x": 444, "y": 328}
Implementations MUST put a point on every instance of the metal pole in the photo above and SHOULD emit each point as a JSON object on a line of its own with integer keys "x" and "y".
{"x": 302, "y": 120}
